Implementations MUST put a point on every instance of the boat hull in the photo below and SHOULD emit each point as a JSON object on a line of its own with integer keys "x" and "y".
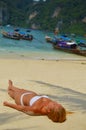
{"x": 7, "y": 35}
{"x": 69, "y": 50}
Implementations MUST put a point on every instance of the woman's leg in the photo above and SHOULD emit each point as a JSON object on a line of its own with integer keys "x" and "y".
{"x": 11, "y": 89}
{"x": 14, "y": 91}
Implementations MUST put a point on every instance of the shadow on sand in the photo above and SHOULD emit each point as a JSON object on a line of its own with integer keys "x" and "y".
{"x": 73, "y": 99}
{"x": 6, "y": 118}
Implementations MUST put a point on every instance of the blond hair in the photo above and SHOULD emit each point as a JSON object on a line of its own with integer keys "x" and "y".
{"x": 57, "y": 113}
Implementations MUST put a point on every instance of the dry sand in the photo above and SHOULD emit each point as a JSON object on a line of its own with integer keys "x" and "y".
{"x": 63, "y": 81}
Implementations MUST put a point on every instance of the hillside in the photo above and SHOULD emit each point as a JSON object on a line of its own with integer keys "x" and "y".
{"x": 68, "y": 15}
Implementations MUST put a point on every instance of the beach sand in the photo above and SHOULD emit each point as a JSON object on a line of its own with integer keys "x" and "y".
{"x": 64, "y": 81}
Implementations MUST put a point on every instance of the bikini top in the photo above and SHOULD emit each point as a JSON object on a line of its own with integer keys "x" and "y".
{"x": 33, "y": 100}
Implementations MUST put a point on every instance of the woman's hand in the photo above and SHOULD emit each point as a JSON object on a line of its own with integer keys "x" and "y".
{"x": 6, "y": 103}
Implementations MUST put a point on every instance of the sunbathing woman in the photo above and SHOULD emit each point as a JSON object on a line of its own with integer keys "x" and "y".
{"x": 33, "y": 104}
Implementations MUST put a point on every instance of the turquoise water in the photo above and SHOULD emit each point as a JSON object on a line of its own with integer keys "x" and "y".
{"x": 38, "y": 48}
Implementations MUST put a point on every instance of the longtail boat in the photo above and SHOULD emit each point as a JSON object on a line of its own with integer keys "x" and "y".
{"x": 70, "y": 47}
{"x": 10, "y": 35}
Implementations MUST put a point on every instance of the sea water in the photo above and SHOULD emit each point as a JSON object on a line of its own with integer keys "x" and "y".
{"x": 38, "y": 48}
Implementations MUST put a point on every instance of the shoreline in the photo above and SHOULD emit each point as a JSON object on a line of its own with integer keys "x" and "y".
{"x": 38, "y": 55}
{"x": 23, "y": 57}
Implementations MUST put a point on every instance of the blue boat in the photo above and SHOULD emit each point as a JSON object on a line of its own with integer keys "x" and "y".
{"x": 67, "y": 46}
{"x": 10, "y": 35}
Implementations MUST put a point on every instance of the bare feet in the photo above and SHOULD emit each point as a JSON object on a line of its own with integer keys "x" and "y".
{"x": 5, "y": 103}
{"x": 10, "y": 87}
{"x": 10, "y": 84}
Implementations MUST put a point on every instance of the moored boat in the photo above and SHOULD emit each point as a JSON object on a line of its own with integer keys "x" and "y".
{"x": 67, "y": 46}
{"x": 71, "y": 50}
{"x": 10, "y": 35}
{"x": 17, "y": 36}
{"x": 26, "y": 37}
{"x": 48, "y": 39}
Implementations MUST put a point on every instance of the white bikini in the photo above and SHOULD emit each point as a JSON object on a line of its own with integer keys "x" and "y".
{"x": 33, "y": 100}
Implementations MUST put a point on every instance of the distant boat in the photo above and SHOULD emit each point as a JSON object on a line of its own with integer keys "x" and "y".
{"x": 16, "y": 29}
{"x": 17, "y": 35}
{"x": 82, "y": 43}
{"x": 10, "y": 35}
{"x": 28, "y": 30}
{"x": 67, "y": 46}
{"x": 25, "y": 36}
{"x": 71, "y": 50}
{"x": 49, "y": 39}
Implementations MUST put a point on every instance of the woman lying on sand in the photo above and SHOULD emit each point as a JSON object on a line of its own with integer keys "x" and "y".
{"x": 33, "y": 104}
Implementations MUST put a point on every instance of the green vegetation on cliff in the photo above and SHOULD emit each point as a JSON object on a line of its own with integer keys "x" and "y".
{"x": 68, "y": 15}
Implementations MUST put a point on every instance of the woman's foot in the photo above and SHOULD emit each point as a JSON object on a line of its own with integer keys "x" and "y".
{"x": 10, "y": 85}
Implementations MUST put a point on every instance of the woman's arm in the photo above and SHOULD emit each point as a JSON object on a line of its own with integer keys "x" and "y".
{"x": 26, "y": 109}
{"x": 17, "y": 107}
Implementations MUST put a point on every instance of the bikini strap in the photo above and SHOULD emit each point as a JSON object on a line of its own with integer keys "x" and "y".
{"x": 21, "y": 99}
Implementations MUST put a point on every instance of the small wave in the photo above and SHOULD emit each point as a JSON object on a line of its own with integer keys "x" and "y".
{"x": 2, "y": 49}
